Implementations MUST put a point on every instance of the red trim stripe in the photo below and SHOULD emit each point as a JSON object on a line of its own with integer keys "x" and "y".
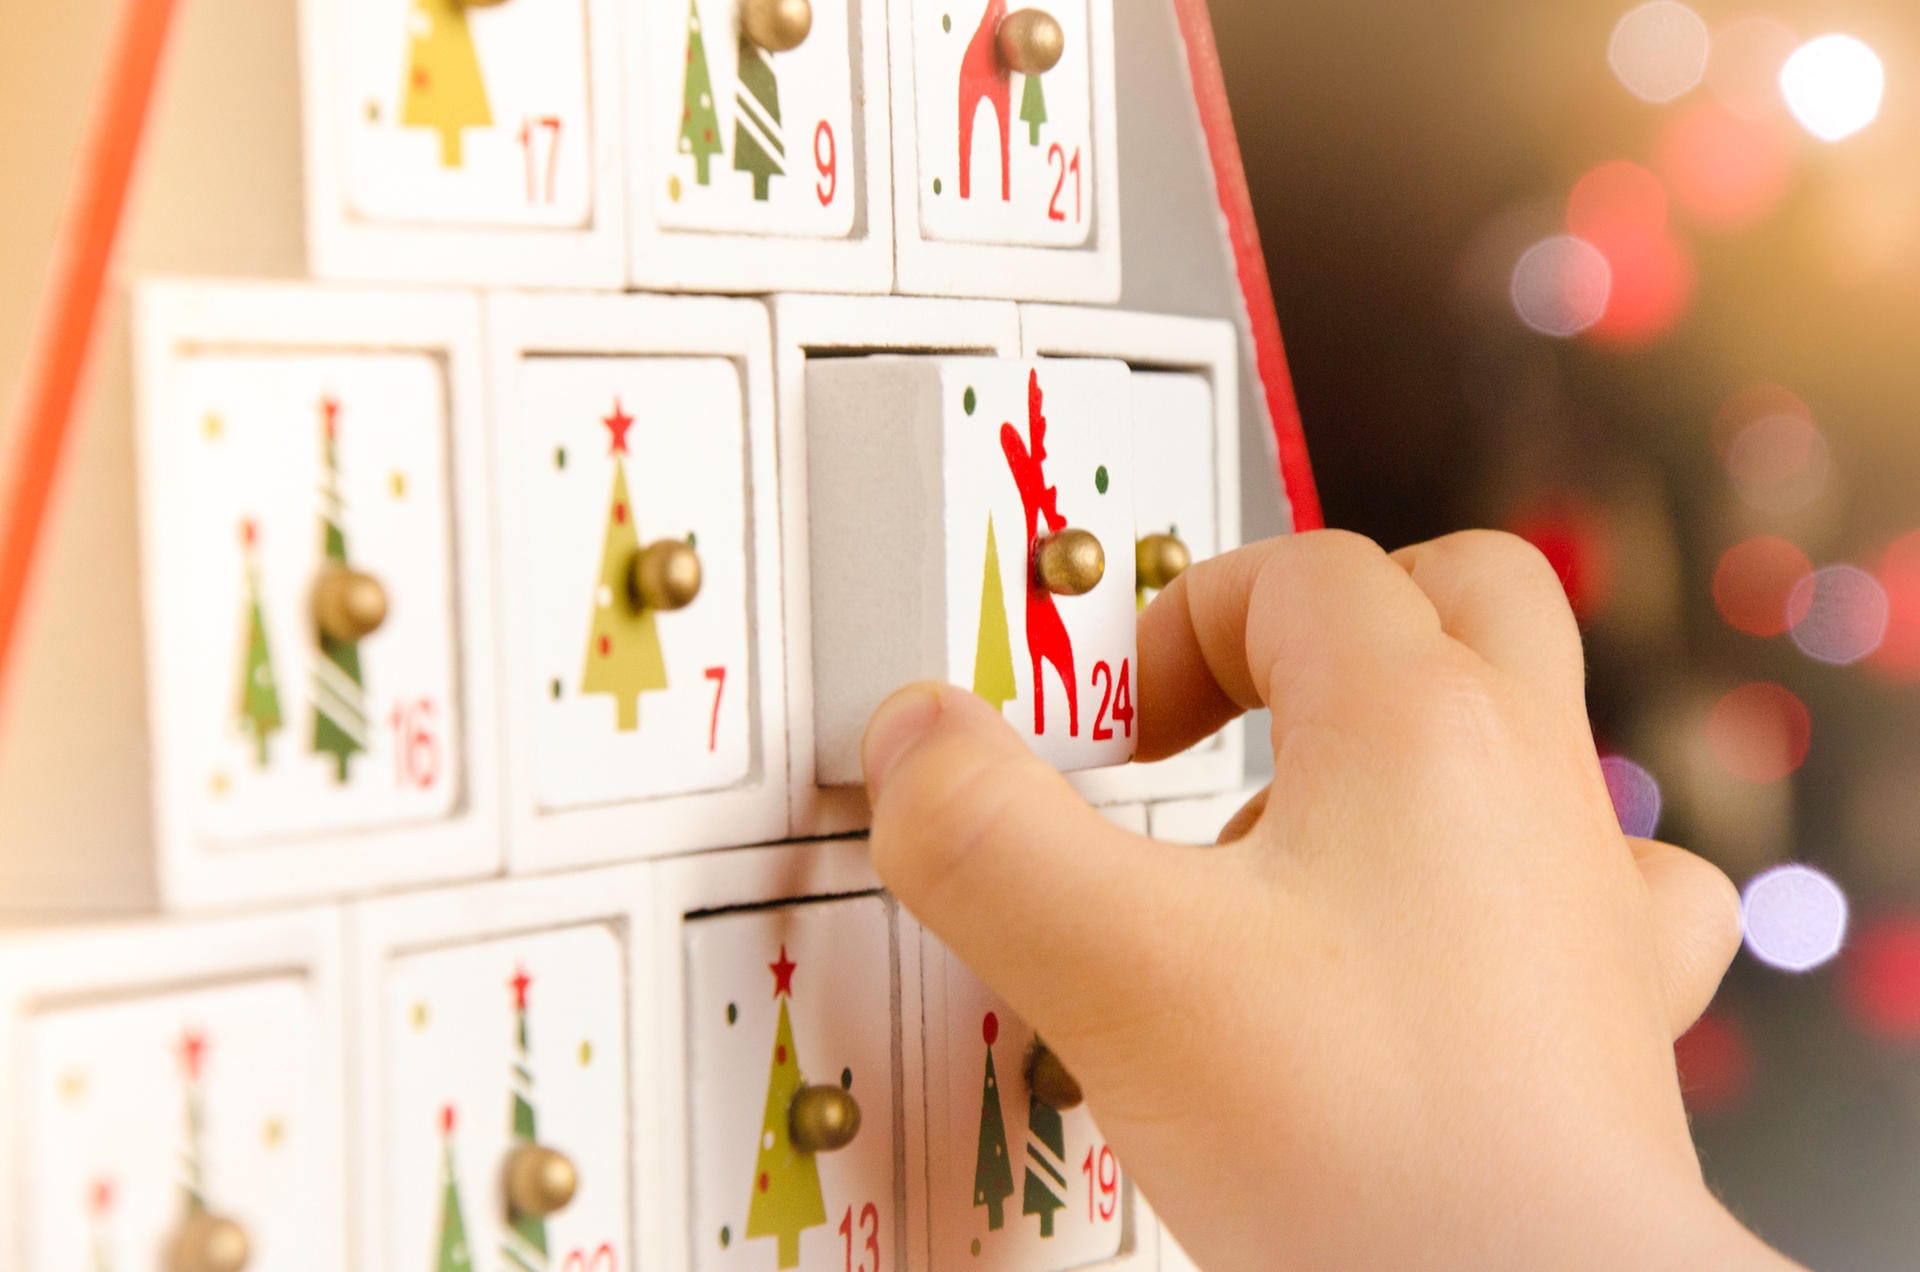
{"x": 1249, "y": 262}
{"x": 70, "y": 307}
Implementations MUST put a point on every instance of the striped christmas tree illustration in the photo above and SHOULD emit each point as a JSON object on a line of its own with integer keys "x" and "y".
{"x": 339, "y": 694}
{"x": 525, "y": 1243}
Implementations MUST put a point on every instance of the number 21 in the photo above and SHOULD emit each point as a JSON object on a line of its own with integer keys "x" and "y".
{"x": 1058, "y": 158}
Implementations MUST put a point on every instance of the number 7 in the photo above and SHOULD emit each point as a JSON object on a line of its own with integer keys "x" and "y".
{"x": 719, "y": 677}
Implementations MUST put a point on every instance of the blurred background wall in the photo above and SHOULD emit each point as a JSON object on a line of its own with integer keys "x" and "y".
{"x": 1587, "y": 270}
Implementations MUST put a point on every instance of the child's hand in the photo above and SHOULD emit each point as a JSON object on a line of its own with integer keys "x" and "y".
{"x": 1418, "y": 1010}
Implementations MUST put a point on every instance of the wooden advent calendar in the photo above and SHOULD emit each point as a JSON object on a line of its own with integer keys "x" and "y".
{"x": 548, "y": 428}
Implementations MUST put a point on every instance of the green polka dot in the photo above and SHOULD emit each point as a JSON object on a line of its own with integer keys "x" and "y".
{"x": 556, "y": 690}
{"x": 1100, "y": 479}
{"x": 976, "y": 1247}
{"x": 936, "y": 185}
{"x": 946, "y": 22}
{"x": 969, "y": 400}
{"x": 726, "y": 1236}
{"x": 846, "y": 1079}
{"x": 693, "y": 540}
{"x": 559, "y": 457}
{"x": 733, "y": 1014}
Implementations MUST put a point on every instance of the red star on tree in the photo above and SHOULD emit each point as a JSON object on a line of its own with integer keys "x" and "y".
{"x": 330, "y": 407}
{"x": 782, "y": 975}
{"x": 446, "y": 1119}
{"x": 617, "y": 424}
{"x": 519, "y": 985}
{"x": 193, "y": 1050}
{"x": 249, "y": 532}
{"x": 100, "y": 1197}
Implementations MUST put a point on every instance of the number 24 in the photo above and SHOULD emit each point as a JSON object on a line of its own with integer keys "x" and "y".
{"x": 1116, "y": 696}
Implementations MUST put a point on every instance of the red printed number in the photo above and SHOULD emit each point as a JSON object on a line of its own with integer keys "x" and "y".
{"x": 539, "y": 190}
{"x": 1062, "y": 166}
{"x": 719, "y": 677}
{"x": 1116, "y": 698}
{"x": 416, "y": 747}
{"x": 1103, "y": 1185}
{"x": 601, "y": 1260}
{"x": 870, "y": 1225}
{"x": 826, "y": 159}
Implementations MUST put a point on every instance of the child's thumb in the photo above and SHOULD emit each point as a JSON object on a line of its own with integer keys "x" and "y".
{"x": 998, "y": 856}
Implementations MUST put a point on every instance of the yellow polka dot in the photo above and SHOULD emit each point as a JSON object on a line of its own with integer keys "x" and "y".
{"x": 218, "y": 784}
{"x": 73, "y": 1086}
{"x": 272, "y": 1132}
{"x": 586, "y": 1053}
{"x": 397, "y": 483}
{"x": 418, "y": 1016}
{"x": 212, "y": 426}
{"x": 673, "y": 188}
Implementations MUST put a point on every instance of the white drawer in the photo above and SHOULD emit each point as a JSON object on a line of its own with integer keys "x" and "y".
{"x": 464, "y": 143}
{"x": 314, "y": 543}
{"x": 642, "y": 597}
{"x": 972, "y": 521}
{"x": 781, "y": 984}
{"x": 498, "y": 1073}
{"x": 756, "y": 163}
{"x": 170, "y": 1090}
{"x": 1005, "y": 181}
{"x": 1183, "y": 408}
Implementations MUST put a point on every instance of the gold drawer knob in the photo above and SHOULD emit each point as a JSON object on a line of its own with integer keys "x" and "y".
{"x": 1031, "y": 42}
{"x": 1159, "y": 559}
{"x": 776, "y": 25}
{"x": 348, "y": 605}
{"x": 822, "y": 1119}
{"x": 540, "y": 1181}
{"x": 209, "y": 1243}
{"x": 1050, "y": 1082}
{"x": 1070, "y": 563}
{"x": 665, "y": 576}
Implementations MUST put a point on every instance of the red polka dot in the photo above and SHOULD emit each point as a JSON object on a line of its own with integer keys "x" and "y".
{"x": 763, "y": 1181}
{"x": 606, "y": 646}
{"x": 1716, "y": 1065}
{"x": 1754, "y": 582}
{"x": 990, "y": 1028}
{"x": 620, "y": 514}
{"x": 779, "y": 1055}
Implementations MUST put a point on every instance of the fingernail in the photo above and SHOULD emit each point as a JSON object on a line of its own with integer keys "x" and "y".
{"x": 895, "y": 729}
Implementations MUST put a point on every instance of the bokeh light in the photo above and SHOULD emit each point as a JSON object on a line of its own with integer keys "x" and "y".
{"x": 1898, "y": 657}
{"x": 1794, "y": 918}
{"x": 1614, "y": 198}
{"x": 1880, "y": 978}
{"x": 1574, "y": 541}
{"x": 1840, "y": 614}
{"x": 1635, "y": 793}
{"x": 1653, "y": 278}
{"x": 1754, "y": 582}
{"x": 1743, "y": 71}
{"x": 1725, "y": 171}
{"x": 1754, "y": 402}
{"x": 1779, "y": 463}
{"x": 1659, "y": 50}
{"x": 1760, "y": 732}
{"x": 1715, "y": 1060}
{"x": 1834, "y": 86}
{"x": 1561, "y": 285}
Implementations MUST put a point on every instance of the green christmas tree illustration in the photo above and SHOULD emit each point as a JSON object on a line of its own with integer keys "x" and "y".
{"x": 339, "y": 695}
{"x": 993, "y": 654}
{"x": 525, "y": 1246}
{"x": 100, "y": 1217}
{"x": 443, "y": 88}
{"x": 623, "y": 656}
{"x": 1033, "y": 109}
{"x": 786, "y": 1182}
{"x": 992, "y": 1173}
{"x": 259, "y": 708}
{"x": 757, "y": 147}
{"x": 1047, "y": 1149}
{"x": 453, "y": 1256}
{"x": 699, "y": 125}
{"x": 193, "y": 1174}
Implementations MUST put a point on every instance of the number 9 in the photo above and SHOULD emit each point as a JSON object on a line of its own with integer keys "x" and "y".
{"x": 826, "y": 159}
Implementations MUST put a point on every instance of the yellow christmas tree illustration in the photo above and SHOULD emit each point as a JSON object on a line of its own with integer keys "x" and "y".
{"x": 993, "y": 655}
{"x": 786, "y": 1182}
{"x": 623, "y": 648}
{"x": 444, "y": 90}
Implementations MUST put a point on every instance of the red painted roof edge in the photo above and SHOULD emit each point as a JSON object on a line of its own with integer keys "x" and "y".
{"x": 1249, "y": 262}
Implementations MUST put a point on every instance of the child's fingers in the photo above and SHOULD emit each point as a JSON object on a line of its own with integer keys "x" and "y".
{"x": 1696, "y": 923}
{"x": 1230, "y": 629}
{"x": 1499, "y": 597}
{"x": 1000, "y": 858}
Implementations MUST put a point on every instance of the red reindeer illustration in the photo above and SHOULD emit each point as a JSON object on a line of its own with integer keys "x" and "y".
{"x": 984, "y": 73}
{"x": 1047, "y": 640}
